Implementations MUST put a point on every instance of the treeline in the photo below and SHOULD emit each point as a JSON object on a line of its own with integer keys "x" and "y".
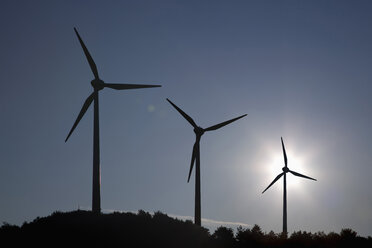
{"x": 255, "y": 237}
{"x": 158, "y": 230}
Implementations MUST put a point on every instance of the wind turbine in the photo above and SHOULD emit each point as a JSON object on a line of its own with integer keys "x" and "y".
{"x": 199, "y": 131}
{"x": 98, "y": 85}
{"x": 285, "y": 170}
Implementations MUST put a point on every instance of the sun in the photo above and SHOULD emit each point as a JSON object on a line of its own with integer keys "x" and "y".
{"x": 276, "y": 163}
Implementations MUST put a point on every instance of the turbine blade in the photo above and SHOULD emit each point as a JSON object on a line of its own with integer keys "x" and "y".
{"x": 129, "y": 86}
{"x": 86, "y": 105}
{"x": 300, "y": 175}
{"x": 92, "y": 65}
{"x": 284, "y": 153}
{"x": 193, "y": 156}
{"x": 188, "y": 118}
{"x": 223, "y": 123}
{"x": 276, "y": 179}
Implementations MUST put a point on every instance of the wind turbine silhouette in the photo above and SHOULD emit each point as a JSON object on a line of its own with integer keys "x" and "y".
{"x": 285, "y": 171}
{"x": 199, "y": 131}
{"x": 98, "y": 85}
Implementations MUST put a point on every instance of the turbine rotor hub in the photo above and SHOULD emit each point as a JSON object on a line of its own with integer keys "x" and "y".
{"x": 97, "y": 84}
{"x": 285, "y": 169}
{"x": 198, "y": 131}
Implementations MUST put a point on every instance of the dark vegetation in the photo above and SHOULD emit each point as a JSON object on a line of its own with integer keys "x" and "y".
{"x": 158, "y": 230}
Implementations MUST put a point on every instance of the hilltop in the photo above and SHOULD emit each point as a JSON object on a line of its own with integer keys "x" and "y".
{"x": 158, "y": 230}
{"x": 86, "y": 227}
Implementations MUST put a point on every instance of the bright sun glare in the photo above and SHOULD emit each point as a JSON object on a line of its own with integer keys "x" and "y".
{"x": 276, "y": 163}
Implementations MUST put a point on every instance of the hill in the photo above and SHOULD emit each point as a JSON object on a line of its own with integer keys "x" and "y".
{"x": 158, "y": 230}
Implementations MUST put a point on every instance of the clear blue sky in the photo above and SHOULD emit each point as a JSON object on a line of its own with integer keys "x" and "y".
{"x": 299, "y": 69}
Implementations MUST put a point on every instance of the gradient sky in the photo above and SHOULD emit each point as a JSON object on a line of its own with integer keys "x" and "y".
{"x": 301, "y": 70}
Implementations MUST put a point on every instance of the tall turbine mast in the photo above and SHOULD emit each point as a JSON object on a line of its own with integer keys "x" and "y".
{"x": 97, "y": 85}
{"x": 285, "y": 170}
{"x": 195, "y": 157}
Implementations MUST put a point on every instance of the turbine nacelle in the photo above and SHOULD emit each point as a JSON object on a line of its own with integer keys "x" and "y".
{"x": 97, "y": 84}
{"x": 199, "y": 131}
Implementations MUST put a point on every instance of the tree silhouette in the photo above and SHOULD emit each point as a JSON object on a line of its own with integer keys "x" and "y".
{"x": 159, "y": 230}
{"x": 224, "y": 237}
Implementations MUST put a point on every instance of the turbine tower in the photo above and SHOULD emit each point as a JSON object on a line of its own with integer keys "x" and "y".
{"x": 285, "y": 170}
{"x": 98, "y": 85}
{"x": 199, "y": 131}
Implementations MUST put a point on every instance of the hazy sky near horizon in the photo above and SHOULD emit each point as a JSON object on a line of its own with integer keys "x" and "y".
{"x": 301, "y": 70}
